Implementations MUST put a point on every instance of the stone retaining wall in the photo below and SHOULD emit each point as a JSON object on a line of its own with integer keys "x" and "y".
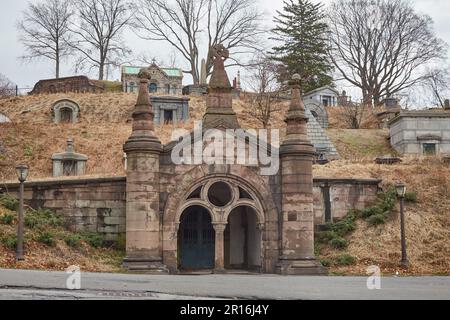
{"x": 98, "y": 204}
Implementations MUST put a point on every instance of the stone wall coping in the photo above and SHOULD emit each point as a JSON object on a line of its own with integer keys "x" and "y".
{"x": 353, "y": 181}
{"x": 68, "y": 181}
{"x": 96, "y": 180}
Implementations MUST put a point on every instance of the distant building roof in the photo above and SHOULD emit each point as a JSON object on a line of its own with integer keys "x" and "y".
{"x": 170, "y": 72}
{"x": 421, "y": 114}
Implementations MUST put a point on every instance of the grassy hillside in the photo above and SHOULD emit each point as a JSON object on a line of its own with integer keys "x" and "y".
{"x": 105, "y": 124}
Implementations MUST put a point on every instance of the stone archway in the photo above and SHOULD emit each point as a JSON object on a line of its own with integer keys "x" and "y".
{"x": 195, "y": 243}
{"x": 319, "y": 112}
{"x": 241, "y": 194}
{"x": 242, "y": 240}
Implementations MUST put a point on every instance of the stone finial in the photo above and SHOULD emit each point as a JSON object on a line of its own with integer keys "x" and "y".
{"x": 219, "y": 109}
{"x": 297, "y": 104}
{"x": 144, "y": 74}
{"x": 143, "y": 137}
{"x": 219, "y": 78}
{"x": 69, "y": 148}
{"x": 296, "y": 140}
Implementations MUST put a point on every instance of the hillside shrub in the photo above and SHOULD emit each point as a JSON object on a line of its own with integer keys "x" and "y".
{"x": 9, "y": 240}
{"x": 93, "y": 239}
{"x": 43, "y": 218}
{"x": 73, "y": 240}
{"x": 7, "y": 218}
{"x": 338, "y": 243}
{"x": 411, "y": 197}
{"x": 9, "y": 202}
{"x": 47, "y": 238}
{"x": 345, "y": 260}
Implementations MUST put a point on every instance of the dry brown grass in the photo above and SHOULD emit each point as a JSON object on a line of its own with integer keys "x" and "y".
{"x": 427, "y": 221}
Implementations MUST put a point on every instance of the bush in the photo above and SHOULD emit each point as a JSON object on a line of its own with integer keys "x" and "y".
{"x": 411, "y": 196}
{"x": 9, "y": 241}
{"x": 376, "y": 220}
{"x": 325, "y": 262}
{"x": 338, "y": 243}
{"x": 9, "y": 202}
{"x": 73, "y": 240}
{"x": 93, "y": 239}
{"x": 345, "y": 260}
{"x": 326, "y": 236}
{"x": 7, "y": 218}
{"x": 344, "y": 226}
{"x": 47, "y": 238}
{"x": 121, "y": 242}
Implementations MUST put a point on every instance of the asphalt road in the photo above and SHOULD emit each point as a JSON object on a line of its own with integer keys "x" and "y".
{"x": 21, "y": 284}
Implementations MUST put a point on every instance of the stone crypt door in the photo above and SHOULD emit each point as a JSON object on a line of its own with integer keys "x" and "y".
{"x": 196, "y": 240}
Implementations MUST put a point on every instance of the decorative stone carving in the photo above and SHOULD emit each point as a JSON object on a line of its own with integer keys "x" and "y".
{"x": 65, "y": 111}
{"x": 69, "y": 163}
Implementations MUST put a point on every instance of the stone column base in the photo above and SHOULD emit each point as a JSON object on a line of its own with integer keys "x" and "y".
{"x": 145, "y": 265}
{"x": 301, "y": 267}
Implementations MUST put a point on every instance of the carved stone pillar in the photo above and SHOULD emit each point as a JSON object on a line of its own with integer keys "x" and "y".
{"x": 219, "y": 249}
{"x": 143, "y": 239}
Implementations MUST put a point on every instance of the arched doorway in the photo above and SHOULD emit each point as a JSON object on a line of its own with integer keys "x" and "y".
{"x": 242, "y": 240}
{"x": 196, "y": 237}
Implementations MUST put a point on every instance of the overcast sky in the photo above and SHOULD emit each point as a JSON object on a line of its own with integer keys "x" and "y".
{"x": 26, "y": 75}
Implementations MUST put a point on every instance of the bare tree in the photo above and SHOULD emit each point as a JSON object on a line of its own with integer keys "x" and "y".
{"x": 437, "y": 82}
{"x": 44, "y": 31}
{"x": 99, "y": 33}
{"x": 265, "y": 88}
{"x": 186, "y": 24}
{"x": 7, "y": 88}
{"x": 381, "y": 46}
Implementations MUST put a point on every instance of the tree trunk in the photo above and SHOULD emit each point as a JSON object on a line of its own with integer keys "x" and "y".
{"x": 57, "y": 68}
{"x": 101, "y": 70}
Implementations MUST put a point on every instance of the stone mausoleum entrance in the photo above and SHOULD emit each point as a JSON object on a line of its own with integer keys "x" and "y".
{"x": 196, "y": 240}
{"x": 219, "y": 229}
{"x": 242, "y": 240}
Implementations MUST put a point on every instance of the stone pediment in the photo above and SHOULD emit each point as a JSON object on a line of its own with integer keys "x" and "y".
{"x": 251, "y": 139}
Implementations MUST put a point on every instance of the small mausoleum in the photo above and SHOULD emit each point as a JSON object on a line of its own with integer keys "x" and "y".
{"x": 421, "y": 132}
{"x": 69, "y": 163}
{"x": 169, "y": 109}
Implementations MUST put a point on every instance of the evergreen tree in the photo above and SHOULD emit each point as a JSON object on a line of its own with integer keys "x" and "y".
{"x": 303, "y": 36}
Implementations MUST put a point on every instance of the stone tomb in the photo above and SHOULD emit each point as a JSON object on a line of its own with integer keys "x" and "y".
{"x": 65, "y": 111}
{"x": 69, "y": 163}
{"x": 170, "y": 109}
{"x": 421, "y": 133}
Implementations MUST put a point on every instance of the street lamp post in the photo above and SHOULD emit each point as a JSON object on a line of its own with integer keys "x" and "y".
{"x": 22, "y": 173}
{"x": 401, "y": 190}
